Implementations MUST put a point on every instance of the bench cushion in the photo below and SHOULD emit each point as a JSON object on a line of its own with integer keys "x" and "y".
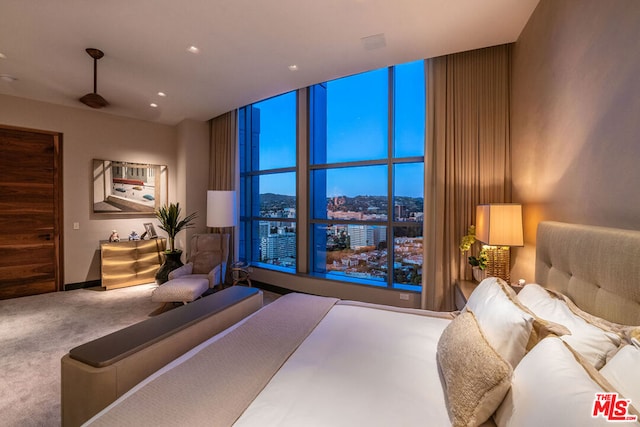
{"x": 180, "y": 290}
{"x": 96, "y": 373}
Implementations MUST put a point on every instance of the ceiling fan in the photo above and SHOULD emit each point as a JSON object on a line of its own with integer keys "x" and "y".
{"x": 94, "y": 100}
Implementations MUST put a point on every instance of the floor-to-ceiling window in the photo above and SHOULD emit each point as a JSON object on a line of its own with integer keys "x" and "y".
{"x": 267, "y": 145}
{"x": 366, "y": 177}
{"x": 365, "y": 170}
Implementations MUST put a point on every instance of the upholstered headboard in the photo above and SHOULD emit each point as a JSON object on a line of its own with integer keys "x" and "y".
{"x": 597, "y": 267}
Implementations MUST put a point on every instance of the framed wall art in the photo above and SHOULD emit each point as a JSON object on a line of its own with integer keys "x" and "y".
{"x": 128, "y": 188}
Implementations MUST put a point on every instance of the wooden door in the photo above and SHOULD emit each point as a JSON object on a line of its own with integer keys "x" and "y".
{"x": 30, "y": 212}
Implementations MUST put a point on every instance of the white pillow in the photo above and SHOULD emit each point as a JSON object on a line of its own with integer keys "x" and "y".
{"x": 506, "y": 327}
{"x": 550, "y": 388}
{"x": 623, "y": 372}
{"x": 591, "y": 342}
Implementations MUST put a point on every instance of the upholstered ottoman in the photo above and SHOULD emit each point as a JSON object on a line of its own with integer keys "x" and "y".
{"x": 180, "y": 290}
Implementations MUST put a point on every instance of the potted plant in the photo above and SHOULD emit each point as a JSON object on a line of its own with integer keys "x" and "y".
{"x": 479, "y": 263}
{"x": 169, "y": 218}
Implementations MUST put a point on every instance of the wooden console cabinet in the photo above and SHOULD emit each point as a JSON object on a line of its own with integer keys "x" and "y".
{"x": 130, "y": 262}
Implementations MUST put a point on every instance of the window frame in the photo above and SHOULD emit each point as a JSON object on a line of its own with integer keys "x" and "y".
{"x": 390, "y": 161}
{"x": 250, "y": 239}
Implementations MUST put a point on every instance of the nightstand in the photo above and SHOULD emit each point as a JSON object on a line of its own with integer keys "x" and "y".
{"x": 463, "y": 289}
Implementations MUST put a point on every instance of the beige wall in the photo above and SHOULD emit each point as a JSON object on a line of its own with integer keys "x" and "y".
{"x": 193, "y": 176}
{"x": 576, "y": 117}
{"x": 89, "y": 134}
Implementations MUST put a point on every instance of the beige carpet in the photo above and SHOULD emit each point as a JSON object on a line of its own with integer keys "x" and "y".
{"x": 36, "y": 331}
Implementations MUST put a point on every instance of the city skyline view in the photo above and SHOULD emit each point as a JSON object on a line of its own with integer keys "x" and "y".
{"x": 365, "y": 171}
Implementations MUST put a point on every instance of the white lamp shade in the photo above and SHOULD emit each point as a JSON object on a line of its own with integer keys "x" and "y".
{"x": 499, "y": 224}
{"x": 221, "y": 208}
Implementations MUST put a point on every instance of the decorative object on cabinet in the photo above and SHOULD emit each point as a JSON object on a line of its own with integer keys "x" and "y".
{"x": 128, "y": 188}
{"x": 499, "y": 226}
{"x": 114, "y": 237}
{"x": 169, "y": 217}
{"x": 130, "y": 262}
{"x": 150, "y": 231}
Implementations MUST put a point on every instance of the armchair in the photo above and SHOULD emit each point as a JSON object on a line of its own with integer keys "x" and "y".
{"x": 208, "y": 257}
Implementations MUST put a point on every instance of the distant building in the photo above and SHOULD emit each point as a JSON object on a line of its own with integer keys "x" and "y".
{"x": 401, "y": 211}
{"x": 365, "y": 235}
{"x": 278, "y": 245}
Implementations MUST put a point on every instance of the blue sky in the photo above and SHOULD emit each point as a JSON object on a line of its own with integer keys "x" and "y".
{"x": 357, "y": 129}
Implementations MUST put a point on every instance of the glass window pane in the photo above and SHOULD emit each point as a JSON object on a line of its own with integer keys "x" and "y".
{"x": 273, "y": 131}
{"x": 351, "y": 251}
{"x": 408, "y": 192}
{"x": 277, "y": 243}
{"x": 277, "y": 195}
{"x": 356, "y": 118}
{"x": 409, "y": 105}
{"x": 407, "y": 261}
{"x": 356, "y": 193}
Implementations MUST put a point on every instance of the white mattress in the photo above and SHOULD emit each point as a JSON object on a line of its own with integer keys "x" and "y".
{"x": 360, "y": 366}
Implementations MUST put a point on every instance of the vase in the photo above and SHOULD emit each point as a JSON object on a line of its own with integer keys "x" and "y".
{"x": 479, "y": 274}
{"x": 171, "y": 262}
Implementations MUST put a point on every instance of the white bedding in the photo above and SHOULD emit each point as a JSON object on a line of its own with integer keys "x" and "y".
{"x": 358, "y": 367}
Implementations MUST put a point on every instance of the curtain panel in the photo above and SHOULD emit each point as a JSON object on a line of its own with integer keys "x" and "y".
{"x": 467, "y": 159}
{"x": 223, "y": 149}
{"x": 223, "y": 164}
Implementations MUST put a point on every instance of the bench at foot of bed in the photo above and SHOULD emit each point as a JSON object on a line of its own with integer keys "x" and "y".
{"x": 96, "y": 373}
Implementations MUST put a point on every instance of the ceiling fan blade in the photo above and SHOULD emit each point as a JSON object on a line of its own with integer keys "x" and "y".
{"x": 94, "y": 100}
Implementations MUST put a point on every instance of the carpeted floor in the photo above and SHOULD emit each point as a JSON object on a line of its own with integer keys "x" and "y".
{"x": 36, "y": 331}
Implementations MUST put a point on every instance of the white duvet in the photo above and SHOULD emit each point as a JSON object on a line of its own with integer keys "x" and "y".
{"x": 360, "y": 366}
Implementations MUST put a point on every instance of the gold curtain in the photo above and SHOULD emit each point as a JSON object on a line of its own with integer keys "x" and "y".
{"x": 467, "y": 160}
{"x": 223, "y": 148}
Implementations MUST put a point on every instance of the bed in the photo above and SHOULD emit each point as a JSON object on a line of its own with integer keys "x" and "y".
{"x": 317, "y": 361}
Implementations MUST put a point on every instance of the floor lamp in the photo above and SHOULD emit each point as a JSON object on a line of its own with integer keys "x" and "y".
{"x": 499, "y": 226}
{"x": 221, "y": 212}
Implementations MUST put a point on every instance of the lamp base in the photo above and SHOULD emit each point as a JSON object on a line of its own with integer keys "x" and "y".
{"x": 498, "y": 262}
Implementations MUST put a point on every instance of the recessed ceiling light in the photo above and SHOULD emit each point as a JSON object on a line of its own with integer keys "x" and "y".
{"x": 8, "y": 78}
{"x": 3, "y": 56}
{"x": 162, "y": 94}
{"x": 293, "y": 67}
{"x": 153, "y": 105}
{"x": 193, "y": 49}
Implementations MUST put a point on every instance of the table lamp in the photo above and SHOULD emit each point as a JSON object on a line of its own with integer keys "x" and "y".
{"x": 499, "y": 226}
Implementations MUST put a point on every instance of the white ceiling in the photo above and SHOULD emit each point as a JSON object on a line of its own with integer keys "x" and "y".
{"x": 245, "y": 46}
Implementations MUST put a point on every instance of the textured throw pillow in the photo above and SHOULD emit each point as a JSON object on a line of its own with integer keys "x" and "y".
{"x": 475, "y": 375}
{"x": 551, "y": 387}
{"x": 592, "y": 342}
{"x": 623, "y": 372}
